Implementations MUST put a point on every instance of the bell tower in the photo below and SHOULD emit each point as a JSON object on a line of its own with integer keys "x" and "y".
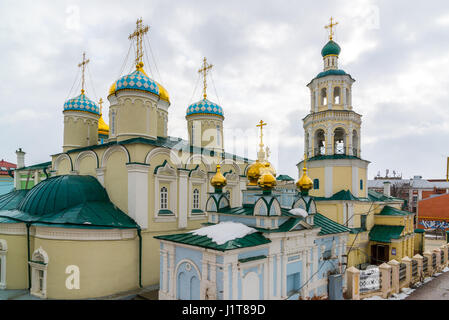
{"x": 332, "y": 129}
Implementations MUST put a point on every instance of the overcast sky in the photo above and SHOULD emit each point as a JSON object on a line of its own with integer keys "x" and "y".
{"x": 264, "y": 53}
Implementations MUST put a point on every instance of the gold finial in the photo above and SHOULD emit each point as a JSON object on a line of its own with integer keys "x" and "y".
{"x": 304, "y": 183}
{"x": 83, "y": 67}
{"x": 261, "y": 124}
{"x": 218, "y": 180}
{"x": 204, "y": 70}
{"x": 330, "y": 26}
{"x": 267, "y": 181}
{"x": 138, "y": 34}
{"x": 100, "y": 103}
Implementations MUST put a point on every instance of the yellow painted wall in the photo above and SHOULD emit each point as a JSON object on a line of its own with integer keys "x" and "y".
{"x": 316, "y": 173}
{"x": 330, "y": 210}
{"x": 116, "y": 180}
{"x": 79, "y": 132}
{"x": 106, "y": 267}
{"x": 64, "y": 167}
{"x": 87, "y": 166}
{"x": 16, "y": 261}
{"x": 342, "y": 179}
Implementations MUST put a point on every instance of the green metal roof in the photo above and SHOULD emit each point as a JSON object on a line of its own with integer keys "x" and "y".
{"x": 249, "y": 211}
{"x": 331, "y": 47}
{"x": 250, "y": 240}
{"x": 390, "y": 211}
{"x": 284, "y": 177}
{"x": 383, "y": 233}
{"x": 421, "y": 231}
{"x": 69, "y": 200}
{"x": 165, "y": 142}
{"x": 377, "y": 196}
{"x": 333, "y": 156}
{"x": 340, "y": 195}
{"x": 328, "y": 226}
{"x": 12, "y": 199}
{"x": 37, "y": 166}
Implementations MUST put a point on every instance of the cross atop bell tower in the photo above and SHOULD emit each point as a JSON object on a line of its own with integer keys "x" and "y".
{"x": 330, "y": 26}
{"x": 138, "y": 34}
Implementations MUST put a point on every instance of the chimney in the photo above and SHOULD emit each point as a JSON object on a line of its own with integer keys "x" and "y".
{"x": 20, "y": 158}
{"x": 387, "y": 188}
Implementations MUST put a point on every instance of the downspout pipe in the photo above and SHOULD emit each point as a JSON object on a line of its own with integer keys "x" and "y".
{"x": 139, "y": 234}
{"x": 28, "y": 262}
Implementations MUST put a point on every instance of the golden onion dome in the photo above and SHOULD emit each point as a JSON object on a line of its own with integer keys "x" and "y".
{"x": 253, "y": 173}
{"x": 103, "y": 128}
{"x": 266, "y": 181}
{"x": 163, "y": 93}
{"x": 218, "y": 181}
{"x": 304, "y": 183}
{"x": 270, "y": 168}
{"x": 112, "y": 89}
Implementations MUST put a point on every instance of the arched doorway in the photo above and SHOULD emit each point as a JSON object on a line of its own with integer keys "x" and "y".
{"x": 250, "y": 287}
{"x": 187, "y": 281}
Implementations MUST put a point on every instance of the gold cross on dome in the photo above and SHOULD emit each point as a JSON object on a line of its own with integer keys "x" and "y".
{"x": 138, "y": 34}
{"x": 101, "y": 106}
{"x": 82, "y": 65}
{"x": 204, "y": 70}
{"x": 330, "y": 26}
{"x": 261, "y": 124}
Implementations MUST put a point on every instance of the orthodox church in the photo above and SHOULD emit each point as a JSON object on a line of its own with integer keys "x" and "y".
{"x": 128, "y": 206}
{"x": 87, "y": 229}
{"x": 332, "y": 144}
{"x": 275, "y": 245}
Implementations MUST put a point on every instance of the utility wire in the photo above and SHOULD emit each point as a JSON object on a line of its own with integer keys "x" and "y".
{"x": 74, "y": 81}
{"x": 152, "y": 56}
{"x": 148, "y": 60}
{"x": 92, "y": 82}
{"x": 194, "y": 90}
{"x": 213, "y": 83}
{"x": 126, "y": 60}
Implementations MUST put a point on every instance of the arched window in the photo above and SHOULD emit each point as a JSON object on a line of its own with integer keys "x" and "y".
{"x": 323, "y": 96}
{"x": 320, "y": 143}
{"x": 164, "y": 198}
{"x": 196, "y": 199}
{"x": 316, "y": 184}
{"x": 337, "y": 92}
{"x": 339, "y": 141}
{"x": 355, "y": 143}
{"x": 38, "y": 264}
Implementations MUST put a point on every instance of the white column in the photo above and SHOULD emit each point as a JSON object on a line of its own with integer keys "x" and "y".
{"x": 328, "y": 182}
{"x": 164, "y": 280}
{"x": 36, "y": 177}
{"x": 310, "y": 143}
{"x": 345, "y": 103}
{"x": 138, "y": 193}
{"x": 284, "y": 277}
{"x": 278, "y": 275}
{"x": 235, "y": 288}
{"x": 329, "y": 100}
{"x": 183, "y": 194}
{"x": 350, "y": 141}
{"x": 355, "y": 181}
{"x": 100, "y": 175}
{"x": 317, "y": 97}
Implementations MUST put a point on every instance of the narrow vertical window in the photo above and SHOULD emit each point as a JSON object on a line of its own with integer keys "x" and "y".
{"x": 164, "y": 198}
{"x": 316, "y": 184}
{"x": 196, "y": 199}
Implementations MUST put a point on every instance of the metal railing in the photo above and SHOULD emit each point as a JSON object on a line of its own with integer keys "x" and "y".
{"x": 425, "y": 263}
{"x": 370, "y": 280}
{"x": 434, "y": 260}
{"x": 442, "y": 257}
{"x": 414, "y": 268}
{"x": 402, "y": 272}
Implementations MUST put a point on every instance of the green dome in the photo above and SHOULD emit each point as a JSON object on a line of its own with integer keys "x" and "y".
{"x": 62, "y": 192}
{"x": 330, "y": 48}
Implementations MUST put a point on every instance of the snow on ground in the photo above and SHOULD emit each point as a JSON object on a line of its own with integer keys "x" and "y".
{"x": 446, "y": 269}
{"x": 224, "y": 231}
{"x": 405, "y": 292}
{"x": 299, "y": 212}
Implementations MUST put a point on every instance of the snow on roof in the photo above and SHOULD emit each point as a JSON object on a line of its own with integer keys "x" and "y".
{"x": 225, "y": 231}
{"x": 299, "y": 212}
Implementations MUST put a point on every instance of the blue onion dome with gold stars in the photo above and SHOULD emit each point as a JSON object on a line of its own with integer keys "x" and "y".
{"x": 81, "y": 103}
{"x": 139, "y": 80}
{"x": 205, "y": 106}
